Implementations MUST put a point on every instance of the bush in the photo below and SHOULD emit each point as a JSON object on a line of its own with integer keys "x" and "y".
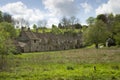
{"x": 70, "y": 68}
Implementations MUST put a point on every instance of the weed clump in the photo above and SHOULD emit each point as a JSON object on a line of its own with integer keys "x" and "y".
{"x": 115, "y": 67}
{"x": 114, "y": 78}
{"x": 70, "y": 68}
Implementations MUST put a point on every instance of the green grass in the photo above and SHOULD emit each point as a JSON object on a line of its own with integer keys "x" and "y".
{"x": 62, "y": 30}
{"x": 79, "y": 64}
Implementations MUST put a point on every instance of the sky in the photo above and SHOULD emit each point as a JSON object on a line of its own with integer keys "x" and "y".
{"x": 53, "y": 10}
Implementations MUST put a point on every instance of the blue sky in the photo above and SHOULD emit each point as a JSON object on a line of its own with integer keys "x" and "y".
{"x": 52, "y": 10}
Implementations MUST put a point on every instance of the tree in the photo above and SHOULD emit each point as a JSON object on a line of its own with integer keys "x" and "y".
{"x": 117, "y": 17}
{"x": 96, "y": 33}
{"x": 21, "y": 22}
{"x": 110, "y": 24}
{"x": 60, "y": 26}
{"x": 55, "y": 30}
{"x": 34, "y": 26}
{"x": 77, "y": 26}
{"x": 110, "y": 20}
{"x": 116, "y": 32}
{"x": 6, "y": 47}
{"x": 7, "y": 18}
{"x": 1, "y": 17}
{"x": 74, "y": 20}
{"x": 114, "y": 27}
{"x": 71, "y": 22}
{"x": 8, "y": 27}
{"x": 65, "y": 22}
{"x": 54, "y": 26}
{"x": 102, "y": 17}
{"x": 90, "y": 20}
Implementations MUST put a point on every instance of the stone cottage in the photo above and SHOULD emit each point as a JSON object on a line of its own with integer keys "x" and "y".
{"x": 29, "y": 41}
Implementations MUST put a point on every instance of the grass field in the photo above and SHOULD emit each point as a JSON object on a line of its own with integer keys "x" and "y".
{"x": 79, "y": 64}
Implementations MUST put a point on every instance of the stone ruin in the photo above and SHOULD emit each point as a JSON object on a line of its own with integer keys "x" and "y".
{"x": 29, "y": 41}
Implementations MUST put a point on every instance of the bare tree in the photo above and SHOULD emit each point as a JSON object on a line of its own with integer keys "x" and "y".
{"x": 65, "y": 22}
{"x": 74, "y": 20}
{"x": 20, "y": 22}
{"x": 69, "y": 22}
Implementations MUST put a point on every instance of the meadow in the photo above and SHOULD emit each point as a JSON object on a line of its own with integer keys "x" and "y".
{"x": 76, "y": 64}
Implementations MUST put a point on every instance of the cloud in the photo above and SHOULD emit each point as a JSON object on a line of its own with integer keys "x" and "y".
{"x": 61, "y": 7}
{"x": 54, "y": 10}
{"x": 87, "y": 7}
{"x": 20, "y": 10}
{"x": 112, "y": 6}
{"x": 53, "y": 20}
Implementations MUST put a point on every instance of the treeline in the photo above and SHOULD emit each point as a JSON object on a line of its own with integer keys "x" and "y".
{"x": 7, "y": 36}
{"x": 72, "y": 22}
{"x": 104, "y": 29}
{"x": 5, "y": 17}
{"x": 7, "y": 33}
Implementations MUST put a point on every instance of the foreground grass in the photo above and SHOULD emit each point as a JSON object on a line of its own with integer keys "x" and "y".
{"x": 81, "y": 64}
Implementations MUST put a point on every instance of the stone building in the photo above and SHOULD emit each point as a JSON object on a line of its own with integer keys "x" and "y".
{"x": 29, "y": 41}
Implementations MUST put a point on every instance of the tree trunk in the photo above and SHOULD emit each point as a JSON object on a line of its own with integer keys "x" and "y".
{"x": 96, "y": 45}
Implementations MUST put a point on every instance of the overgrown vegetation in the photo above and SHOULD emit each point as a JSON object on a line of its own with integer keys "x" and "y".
{"x": 81, "y": 64}
{"x": 6, "y": 46}
{"x": 7, "y": 34}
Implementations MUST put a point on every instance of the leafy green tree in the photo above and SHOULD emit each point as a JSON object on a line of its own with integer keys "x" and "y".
{"x": 8, "y": 27}
{"x": 90, "y": 20}
{"x": 116, "y": 31}
{"x": 1, "y": 17}
{"x": 110, "y": 23}
{"x": 117, "y": 38}
{"x": 3, "y": 40}
{"x": 7, "y": 18}
{"x": 84, "y": 28}
{"x": 54, "y": 26}
{"x": 60, "y": 26}
{"x": 6, "y": 47}
{"x": 77, "y": 26}
{"x": 7, "y": 33}
{"x": 102, "y": 17}
{"x": 34, "y": 26}
{"x": 117, "y": 17}
{"x": 55, "y": 30}
{"x": 96, "y": 33}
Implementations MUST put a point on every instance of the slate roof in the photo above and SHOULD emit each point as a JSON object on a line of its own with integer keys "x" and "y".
{"x": 31, "y": 35}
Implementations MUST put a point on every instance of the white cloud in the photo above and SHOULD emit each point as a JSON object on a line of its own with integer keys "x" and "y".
{"x": 55, "y": 10}
{"x": 53, "y": 20}
{"x": 87, "y": 7}
{"x": 61, "y": 7}
{"x": 20, "y": 10}
{"x": 112, "y": 6}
